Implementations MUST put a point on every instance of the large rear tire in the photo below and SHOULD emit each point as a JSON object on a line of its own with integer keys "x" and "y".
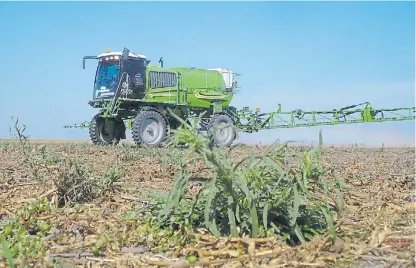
{"x": 150, "y": 128}
{"x": 222, "y": 136}
{"x": 98, "y": 134}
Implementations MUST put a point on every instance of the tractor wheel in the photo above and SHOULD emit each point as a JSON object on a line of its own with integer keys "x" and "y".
{"x": 223, "y": 136}
{"x": 99, "y": 136}
{"x": 149, "y": 127}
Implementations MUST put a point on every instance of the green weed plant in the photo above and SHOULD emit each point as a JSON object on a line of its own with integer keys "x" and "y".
{"x": 262, "y": 195}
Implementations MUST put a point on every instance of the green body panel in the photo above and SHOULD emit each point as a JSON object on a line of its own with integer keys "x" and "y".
{"x": 197, "y": 88}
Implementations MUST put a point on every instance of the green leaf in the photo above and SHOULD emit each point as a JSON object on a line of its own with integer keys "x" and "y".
{"x": 329, "y": 221}
{"x": 265, "y": 214}
{"x": 175, "y": 194}
{"x": 213, "y": 228}
{"x": 298, "y": 233}
{"x": 277, "y": 229}
{"x": 254, "y": 220}
{"x": 231, "y": 220}
{"x": 212, "y": 192}
{"x": 191, "y": 259}
{"x": 237, "y": 212}
{"x": 273, "y": 165}
{"x": 296, "y": 205}
{"x": 301, "y": 182}
{"x": 192, "y": 210}
{"x": 6, "y": 253}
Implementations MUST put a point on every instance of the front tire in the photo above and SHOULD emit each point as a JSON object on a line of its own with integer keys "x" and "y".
{"x": 222, "y": 136}
{"x": 150, "y": 128}
{"x": 98, "y": 134}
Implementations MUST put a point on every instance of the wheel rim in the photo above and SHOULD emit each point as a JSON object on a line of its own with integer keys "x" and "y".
{"x": 222, "y": 133}
{"x": 151, "y": 131}
{"x": 102, "y": 134}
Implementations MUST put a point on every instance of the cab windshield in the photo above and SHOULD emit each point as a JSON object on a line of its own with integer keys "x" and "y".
{"x": 106, "y": 80}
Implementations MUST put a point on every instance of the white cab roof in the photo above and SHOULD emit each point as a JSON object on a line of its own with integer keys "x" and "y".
{"x": 131, "y": 54}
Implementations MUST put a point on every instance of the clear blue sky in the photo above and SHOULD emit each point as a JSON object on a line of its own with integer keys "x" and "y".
{"x": 306, "y": 55}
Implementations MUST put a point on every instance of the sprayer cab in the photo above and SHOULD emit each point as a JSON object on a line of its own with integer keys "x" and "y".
{"x": 118, "y": 72}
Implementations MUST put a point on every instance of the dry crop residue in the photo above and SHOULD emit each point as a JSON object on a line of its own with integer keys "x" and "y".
{"x": 377, "y": 230}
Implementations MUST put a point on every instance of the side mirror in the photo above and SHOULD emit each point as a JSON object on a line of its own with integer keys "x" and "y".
{"x": 87, "y": 58}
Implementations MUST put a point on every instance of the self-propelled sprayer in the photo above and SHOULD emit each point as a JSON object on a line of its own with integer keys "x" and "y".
{"x": 134, "y": 94}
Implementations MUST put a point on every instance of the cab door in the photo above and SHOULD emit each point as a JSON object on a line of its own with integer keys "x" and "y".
{"x": 133, "y": 83}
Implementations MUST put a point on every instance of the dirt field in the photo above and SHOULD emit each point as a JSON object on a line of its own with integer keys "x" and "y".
{"x": 102, "y": 228}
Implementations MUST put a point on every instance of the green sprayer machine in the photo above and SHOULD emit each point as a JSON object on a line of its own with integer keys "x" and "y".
{"x": 133, "y": 94}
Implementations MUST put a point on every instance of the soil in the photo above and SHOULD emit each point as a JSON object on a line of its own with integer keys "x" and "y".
{"x": 378, "y": 227}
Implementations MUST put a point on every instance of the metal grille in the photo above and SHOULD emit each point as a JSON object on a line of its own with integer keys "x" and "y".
{"x": 162, "y": 79}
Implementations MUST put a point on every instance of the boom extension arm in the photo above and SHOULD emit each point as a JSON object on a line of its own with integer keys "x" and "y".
{"x": 249, "y": 121}
{"x": 85, "y": 124}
